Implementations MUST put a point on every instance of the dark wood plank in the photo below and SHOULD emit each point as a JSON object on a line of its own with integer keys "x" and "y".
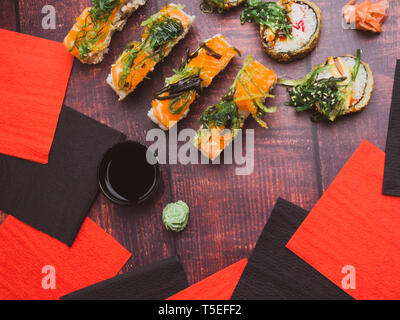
{"x": 9, "y": 21}
{"x": 138, "y": 229}
{"x": 228, "y": 212}
{"x": 339, "y": 140}
{"x": 8, "y": 15}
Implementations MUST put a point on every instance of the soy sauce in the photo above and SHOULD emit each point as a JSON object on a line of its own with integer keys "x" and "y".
{"x": 125, "y": 175}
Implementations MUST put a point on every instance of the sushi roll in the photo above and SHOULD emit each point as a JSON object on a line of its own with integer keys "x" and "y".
{"x": 221, "y": 123}
{"x": 289, "y": 29}
{"x": 162, "y": 32}
{"x": 341, "y": 86}
{"x": 209, "y": 6}
{"x": 89, "y": 38}
{"x": 197, "y": 71}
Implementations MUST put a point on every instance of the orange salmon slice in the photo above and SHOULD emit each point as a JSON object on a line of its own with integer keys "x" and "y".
{"x": 254, "y": 83}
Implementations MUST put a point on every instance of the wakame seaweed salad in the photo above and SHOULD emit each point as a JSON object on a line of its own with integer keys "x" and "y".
{"x": 333, "y": 89}
{"x": 268, "y": 14}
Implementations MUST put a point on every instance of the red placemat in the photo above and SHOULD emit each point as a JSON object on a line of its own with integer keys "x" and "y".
{"x": 355, "y": 225}
{"x": 24, "y": 251}
{"x": 219, "y": 286}
{"x": 33, "y": 78}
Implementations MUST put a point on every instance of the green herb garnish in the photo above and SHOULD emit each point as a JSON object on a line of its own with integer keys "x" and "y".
{"x": 92, "y": 31}
{"x": 268, "y": 14}
{"x": 162, "y": 32}
{"x": 185, "y": 99}
{"x": 103, "y": 8}
{"x": 357, "y": 65}
{"x": 323, "y": 96}
{"x": 223, "y": 114}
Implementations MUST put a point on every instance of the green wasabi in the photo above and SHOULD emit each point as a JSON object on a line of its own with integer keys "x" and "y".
{"x": 175, "y": 216}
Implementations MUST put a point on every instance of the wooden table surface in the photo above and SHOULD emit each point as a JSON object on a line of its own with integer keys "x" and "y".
{"x": 295, "y": 159}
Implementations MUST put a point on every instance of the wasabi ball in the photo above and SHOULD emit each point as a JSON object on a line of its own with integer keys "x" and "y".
{"x": 175, "y": 216}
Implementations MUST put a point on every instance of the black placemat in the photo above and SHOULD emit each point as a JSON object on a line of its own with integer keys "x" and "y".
{"x": 56, "y": 197}
{"x": 274, "y": 272}
{"x": 157, "y": 281}
{"x": 391, "y": 180}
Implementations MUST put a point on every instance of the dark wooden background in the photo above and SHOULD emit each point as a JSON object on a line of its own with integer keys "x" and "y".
{"x": 295, "y": 159}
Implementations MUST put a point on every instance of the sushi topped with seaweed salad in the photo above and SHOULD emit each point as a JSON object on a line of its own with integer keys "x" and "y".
{"x": 89, "y": 38}
{"x": 341, "y": 86}
{"x": 197, "y": 71}
{"x": 289, "y": 29}
{"x": 162, "y": 31}
{"x": 220, "y": 123}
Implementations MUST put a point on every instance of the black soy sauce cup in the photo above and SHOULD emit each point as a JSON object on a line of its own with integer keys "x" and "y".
{"x": 125, "y": 176}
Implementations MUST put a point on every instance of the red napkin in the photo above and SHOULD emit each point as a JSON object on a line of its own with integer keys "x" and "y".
{"x": 354, "y": 225}
{"x": 34, "y": 75}
{"x": 219, "y": 286}
{"x": 24, "y": 251}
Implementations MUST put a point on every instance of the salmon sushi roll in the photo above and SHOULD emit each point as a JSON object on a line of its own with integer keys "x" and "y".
{"x": 197, "y": 71}
{"x": 221, "y": 123}
{"x": 162, "y": 32}
{"x": 89, "y": 38}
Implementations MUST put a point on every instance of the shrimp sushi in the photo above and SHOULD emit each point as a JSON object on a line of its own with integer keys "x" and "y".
{"x": 89, "y": 38}
{"x": 221, "y": 123}
{"x": 162, "y": 32}
{"x": 197, "y": 71}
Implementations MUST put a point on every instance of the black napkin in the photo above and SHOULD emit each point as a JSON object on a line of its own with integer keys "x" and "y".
{"x": 391, "y": 180}
{"x": 56, "y": 197}
{"x": 274, "y": 272}
{"x": 157, "y": 281}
